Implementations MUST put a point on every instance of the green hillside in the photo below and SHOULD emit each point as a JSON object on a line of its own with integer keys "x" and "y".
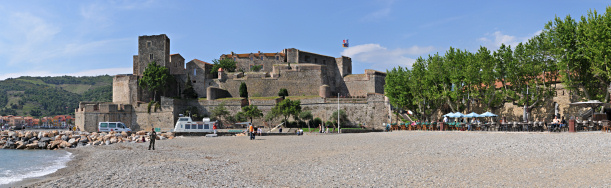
{"x": 49, "y": 96}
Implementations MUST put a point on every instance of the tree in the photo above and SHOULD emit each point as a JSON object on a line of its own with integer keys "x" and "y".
{"x": 237, "y": 117}
{"x": 189, "y": 92}
{"x": 399, "y": 94}
{"x": 243, "y": 90}
{"x": 193, "y": 112}
{"x": 155, "y": 79}
{"x": 220, "y": 112}
{"x": 227, "y": 64}
{"x": 286, "y": 108}
{"x": 251, "y": 111}
{"x": 35, "y": 113}
{"x": 306, "y": 115}
{"x": 342, "y": 117}
{"x": 283, "y": 93}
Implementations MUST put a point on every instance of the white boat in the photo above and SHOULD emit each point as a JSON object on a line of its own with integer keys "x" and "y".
{"x": 187, "y": 125}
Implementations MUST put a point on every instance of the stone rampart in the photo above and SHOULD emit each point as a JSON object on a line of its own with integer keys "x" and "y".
{"x": 304, "y": 80}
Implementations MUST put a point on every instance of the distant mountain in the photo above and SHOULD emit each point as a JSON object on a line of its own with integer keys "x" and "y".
{"x": 49, "y": 96}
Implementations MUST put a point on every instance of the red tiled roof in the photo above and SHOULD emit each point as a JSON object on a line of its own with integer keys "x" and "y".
{"x": 174, "y": 54}
{"x": 200, "y": 61}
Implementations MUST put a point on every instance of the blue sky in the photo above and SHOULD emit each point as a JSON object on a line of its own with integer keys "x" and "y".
{"x": 52, "y": 38}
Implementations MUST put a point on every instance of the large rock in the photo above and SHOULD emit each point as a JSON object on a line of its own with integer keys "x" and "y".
{"x": 107, "y": 142}
{"x": 39, "y": 134}
{"x": 75, "y": 136}
{"x": 84, "y": 139}
{"x": 20, "y": 145}
{"x": 124, "y": 134}
{"x": 64, "y": 144}
{"x": 72, "y": 141}
{"x": 42, "y": 144}
{"x": 31, "y": 146}
{"x": 11, "y": 134}
{"x": 113, "y": 140}
{"x": 162, "y": 138}
{"x": 68, "y": 132}
{"x": 55, "y": 132}
{"x": 28, "y": 135}
{"x": 54, "y": 144}
{"x": 45, "y": 139}
{"x": 45, "y": 134}
{"x": 141, "y": 133}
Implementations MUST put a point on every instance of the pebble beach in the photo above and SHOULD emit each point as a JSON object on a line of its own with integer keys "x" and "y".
{"x": 395, "y": 159}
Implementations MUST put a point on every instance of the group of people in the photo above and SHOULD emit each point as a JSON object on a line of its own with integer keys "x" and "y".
{"x": 321, "y": 129}
{"x": 557, "y": 124}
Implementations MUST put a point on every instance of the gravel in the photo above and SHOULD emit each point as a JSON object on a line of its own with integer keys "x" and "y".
{"x": 400, "y": 158}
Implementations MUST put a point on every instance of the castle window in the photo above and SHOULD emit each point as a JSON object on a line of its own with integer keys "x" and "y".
{"x": 149, "y": 44}
{"x": 151, "y": 56}
{"x": 261, "y": 57}
{"x": 307, "y": 58}
{"x": 324, "y": 61}
{"x": 194, "y": 72}
{"x": 234, "y": 59}
{"x": 251, "y": 58}
{"x": 315, "y": 60}
{"x": 277, "y": 58}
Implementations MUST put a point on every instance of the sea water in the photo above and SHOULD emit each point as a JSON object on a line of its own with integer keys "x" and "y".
{"x": 17, "y": 165}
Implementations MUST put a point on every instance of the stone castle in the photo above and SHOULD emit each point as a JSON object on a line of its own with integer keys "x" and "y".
{"x": 313, "y": 77}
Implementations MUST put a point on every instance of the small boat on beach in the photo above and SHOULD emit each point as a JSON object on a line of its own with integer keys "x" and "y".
{"x": 187, "y": 125}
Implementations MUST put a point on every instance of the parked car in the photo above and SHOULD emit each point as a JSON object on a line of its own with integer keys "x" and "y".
{"x": 112, "y": 126}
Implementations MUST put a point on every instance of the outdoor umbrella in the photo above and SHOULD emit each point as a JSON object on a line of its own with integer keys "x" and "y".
{"x": 449, "y": 115}
{"x": 488, "y": 114}
{"x": 457, "y": 115}
{"x": 591, "y": 103}
{"x": 472, "y": 115}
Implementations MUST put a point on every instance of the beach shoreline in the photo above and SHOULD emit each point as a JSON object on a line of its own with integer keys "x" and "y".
{"x": 71, "y": 166}
{"x": 401, "y": 158}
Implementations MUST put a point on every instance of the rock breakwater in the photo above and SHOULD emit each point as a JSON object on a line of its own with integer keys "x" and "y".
{"x": 70, "y": 139}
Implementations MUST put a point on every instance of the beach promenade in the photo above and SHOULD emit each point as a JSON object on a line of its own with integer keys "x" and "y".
{"x": 401, "y": 158}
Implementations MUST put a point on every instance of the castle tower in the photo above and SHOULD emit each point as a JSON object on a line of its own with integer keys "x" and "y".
{"x": 152, "y": 48}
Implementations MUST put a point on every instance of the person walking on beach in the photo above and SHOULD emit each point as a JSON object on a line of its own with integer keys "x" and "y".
{"x": 251, "y": 132}
{"x": 152, "y": 138}
{"x": 214, "y": 128}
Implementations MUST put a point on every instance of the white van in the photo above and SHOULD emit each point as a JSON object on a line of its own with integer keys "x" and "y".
{"x": 112, "y": 126}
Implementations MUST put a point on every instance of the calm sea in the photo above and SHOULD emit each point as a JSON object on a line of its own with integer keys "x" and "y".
{"x": 17, "y": 165}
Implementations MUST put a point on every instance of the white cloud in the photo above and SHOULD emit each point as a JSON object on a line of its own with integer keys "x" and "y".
{"x": 26, "y": 34}
{"x": 496, "y": 39}
{"x": 93, "y": 72}
{"x": 380, "y": 13}
{"x": 382, "y": 58}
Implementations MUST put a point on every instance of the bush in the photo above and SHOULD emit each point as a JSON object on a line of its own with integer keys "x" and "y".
{"x": 283, "y": 92}
{"x": 243, "y": 90}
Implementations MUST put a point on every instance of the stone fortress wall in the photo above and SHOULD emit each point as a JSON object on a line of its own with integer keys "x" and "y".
{"x": 371, "y": 111}
{"x": 301, "y": 73}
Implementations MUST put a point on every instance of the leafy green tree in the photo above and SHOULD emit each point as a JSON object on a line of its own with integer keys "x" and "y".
{"x": 286, "y": 108}
{"x": 243, "y": 90}
{"x": 343, "y": 118}
{"x": 306, "y": 115}
{"x": 155, "y": 79}
{"x": 189, "y": 92}
{"x": 35, "y": 113}
{"x": 251, "y": 111}
{"x": 581, "y": 48}
{"x": 283, "y": 93}
{"x": 398, "y": 92}
{"x": 219, "y": 112}
{"x": 227, "y": 64}
{"x": 238, "y": 117}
